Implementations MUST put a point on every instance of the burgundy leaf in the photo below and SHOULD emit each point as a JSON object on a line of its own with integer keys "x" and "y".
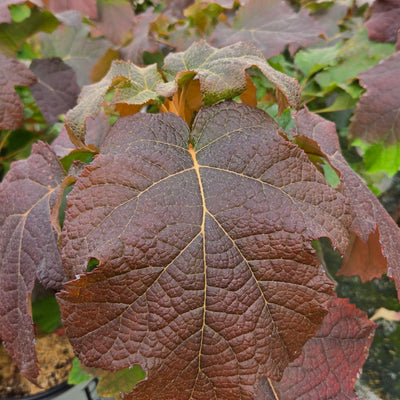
{"x": 115, "y": 20}
{"x": 12, "y": 73}
{"x": 330, "y": 362}
{"x": 74, "y": 45}
{"x": 270, "y": 25}
{"x": 28, "y": 248}
{"x": 377, "y": 115}
{"x": 56, "y": 90}
{"x": 5, "y": 16}
{"x": 175, "y": 8}
{"x": 198, "y": 234}
{"x": 375, "y": 242}
{"x": 62, "y": 144}
{"x": 143, "y": 39}
{"x": 87, "y": 7}
{"x": 384, "y": 21}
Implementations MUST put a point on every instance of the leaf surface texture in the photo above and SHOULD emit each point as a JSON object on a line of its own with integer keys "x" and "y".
{"x": 203, "y": 238}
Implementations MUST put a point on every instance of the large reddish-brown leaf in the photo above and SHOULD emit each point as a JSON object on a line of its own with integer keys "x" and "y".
{"x": 330, "y": 362}
{"x": 56, "y": 90}
{"x": 28, "y": 248}
{"x": 12, "y": 73}
{"x": 270, "y": 25}
{"x": 384, "y": 21}
{"x": 375, "y": 242}
{"x": 377, "y": 116}
{"x": 207, "y": 277}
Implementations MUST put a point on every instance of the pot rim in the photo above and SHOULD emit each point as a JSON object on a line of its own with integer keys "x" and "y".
{"x": 46, "y": 394}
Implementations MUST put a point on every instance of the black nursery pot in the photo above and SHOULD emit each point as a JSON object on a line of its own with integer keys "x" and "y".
{"x": 63, "y": 391}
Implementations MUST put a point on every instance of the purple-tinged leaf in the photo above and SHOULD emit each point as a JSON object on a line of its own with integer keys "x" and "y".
{"x": 271, "y": 26}
{"x": 377, "y": 116}
{"x": 330, "y": 362}
{"x": 12, "y": 73}
{"x": 56, "y": 90}
{"x": 86, "y": 7}
{"x": 28, "y": 248}
{"x": 115, "y": 20}
{"x": 143, "y": 39}
{"x": 75, "y": 47}
{"x": 62, "y": 144}
{"x": 384, "y": 21}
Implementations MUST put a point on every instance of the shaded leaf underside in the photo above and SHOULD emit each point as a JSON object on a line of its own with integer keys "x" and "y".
{"x": 222, "y": 71}
{"x": 206, "y": 277}
{"x": 28, "y": 248}
{"x": 135, "y": 87}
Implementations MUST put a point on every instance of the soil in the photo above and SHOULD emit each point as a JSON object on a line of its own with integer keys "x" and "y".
{"x": 55, "y": 357}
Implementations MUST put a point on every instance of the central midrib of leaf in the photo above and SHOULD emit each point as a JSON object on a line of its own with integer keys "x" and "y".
{"x": 196, "y": 167}
{"x": 202, "y": 230}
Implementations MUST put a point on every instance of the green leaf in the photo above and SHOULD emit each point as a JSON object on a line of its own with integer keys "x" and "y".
{"x": 222, "y": 71}
{"x": 379, "y": 157}
{"x": 111, "y": 384}
{"x": 135, "y": 86}
{"x": 312, "y": 60}
{"x": 12, "y": 36}
{"x": 358, "y": 54}
{"x": 46, "y": 314}
{"x": 343, "y": 101}
{"x": 19, "y": 12}
{"x": 76, "y": 375}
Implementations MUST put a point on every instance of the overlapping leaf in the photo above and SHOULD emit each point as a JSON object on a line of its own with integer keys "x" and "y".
{"x": 87, "y": 7}
{"x": 207, "y": 278}
{"x": 115, "y": 20}
{"x": 384, "y": 21}
{"x": 330, "y": 362}
{"x": 222, "y": 71}
{"x": 12, "y": 73}
{"x": 375, "y": 238}
{"x": 56, "y": 90}
{"x": 135, "y": 87}
{"x": 377, "y": 116}
{"x": 75, "y": 47}
{"x": 270, "y": 25}
{"x": 28, "y": 248}
{"x": 143, "y": 40}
